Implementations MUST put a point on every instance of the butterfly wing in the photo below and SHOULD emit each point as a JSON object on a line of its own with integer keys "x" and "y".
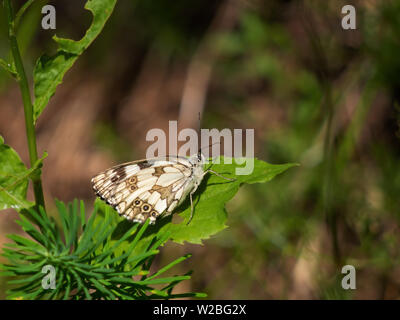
{"x": 145, "y": 189}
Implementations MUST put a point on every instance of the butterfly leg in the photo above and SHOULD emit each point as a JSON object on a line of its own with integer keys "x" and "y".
{"x": 217, "y": 174}
{"x": 191, "y": 207}
{"x": 191, "y": 202}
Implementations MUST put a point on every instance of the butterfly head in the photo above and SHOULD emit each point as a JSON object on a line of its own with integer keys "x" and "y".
{"x": 197, "y": 159}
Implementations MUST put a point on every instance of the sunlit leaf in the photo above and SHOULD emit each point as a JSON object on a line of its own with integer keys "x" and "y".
{"x": 50, "y": 70}
{"x": 210, "y": 215}
{"x": 14, "y": 178}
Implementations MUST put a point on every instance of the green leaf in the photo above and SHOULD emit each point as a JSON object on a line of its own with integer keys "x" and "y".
{"x": 49, "y": 71}
{"x": 10, "y": 68}
{"x": 209, "y": 201}
{"x": 14, "y": 178}
{"x": 169, "y": 266}
{"x": 101, "y": 10}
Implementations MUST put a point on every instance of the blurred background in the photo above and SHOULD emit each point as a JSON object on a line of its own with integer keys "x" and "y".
{"x": 315, "y": 94}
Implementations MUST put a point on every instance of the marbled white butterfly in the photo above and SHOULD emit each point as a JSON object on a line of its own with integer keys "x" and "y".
{"x": 147, "y": 189}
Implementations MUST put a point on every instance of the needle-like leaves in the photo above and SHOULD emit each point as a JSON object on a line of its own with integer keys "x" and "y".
{"x": 87, "y": 263}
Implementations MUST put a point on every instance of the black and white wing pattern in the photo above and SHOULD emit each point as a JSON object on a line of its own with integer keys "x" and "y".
{"x": 146, "y": 189}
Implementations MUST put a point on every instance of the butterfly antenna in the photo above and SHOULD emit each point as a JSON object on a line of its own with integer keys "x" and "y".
{"x": 198, "y": 137}
{"x": 199, "y": 121}
{"x": 210, "y": 145}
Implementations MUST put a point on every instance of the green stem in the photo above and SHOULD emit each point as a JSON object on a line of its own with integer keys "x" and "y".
{"x": 26, "y": 98}
{"x": 21, "y": 12}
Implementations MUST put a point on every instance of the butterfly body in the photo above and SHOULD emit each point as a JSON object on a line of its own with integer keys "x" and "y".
{"x": 147, "y": 189}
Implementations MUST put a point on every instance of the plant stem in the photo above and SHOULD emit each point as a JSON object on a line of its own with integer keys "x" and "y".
{"x": 21, "y": 12}
{"x": 26, "y": 98}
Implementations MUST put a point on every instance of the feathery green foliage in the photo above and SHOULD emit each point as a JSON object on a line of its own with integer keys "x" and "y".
{"x": 87, "y": 264}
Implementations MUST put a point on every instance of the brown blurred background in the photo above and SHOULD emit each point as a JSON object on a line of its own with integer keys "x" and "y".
{"x": 314, "y": 93}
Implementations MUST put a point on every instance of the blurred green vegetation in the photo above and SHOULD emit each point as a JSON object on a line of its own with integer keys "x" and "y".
{"x": 315, "y": 94}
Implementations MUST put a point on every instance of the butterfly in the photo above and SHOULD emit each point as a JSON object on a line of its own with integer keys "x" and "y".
{"x": 150, "y": 188}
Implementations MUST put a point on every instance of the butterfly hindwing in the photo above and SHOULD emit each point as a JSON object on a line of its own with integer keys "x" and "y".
{"x": 144, "y": 189}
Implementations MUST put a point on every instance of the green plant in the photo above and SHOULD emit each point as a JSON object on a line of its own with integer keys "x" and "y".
{"x": 88, "y": 263}
{"x": 98, "y": 258}
{"x": 105, "y": 257}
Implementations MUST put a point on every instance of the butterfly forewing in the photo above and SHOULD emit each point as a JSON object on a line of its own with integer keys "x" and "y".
{"x": 145, "y": 189}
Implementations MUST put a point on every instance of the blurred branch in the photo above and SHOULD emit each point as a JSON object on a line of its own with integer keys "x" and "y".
{"x": 324, "y": 72}
{"x": 202, "y": 63}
